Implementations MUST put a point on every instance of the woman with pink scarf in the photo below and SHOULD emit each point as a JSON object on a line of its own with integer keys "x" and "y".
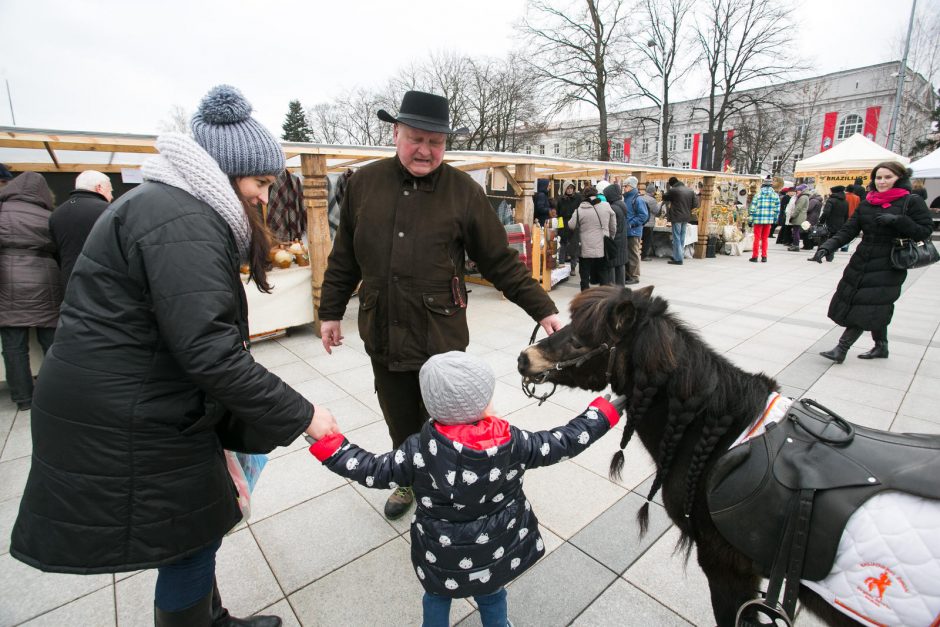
{"x": 864, "y": 298}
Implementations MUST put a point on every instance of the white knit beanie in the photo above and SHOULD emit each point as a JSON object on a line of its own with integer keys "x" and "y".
{"x": 456, "y": 387}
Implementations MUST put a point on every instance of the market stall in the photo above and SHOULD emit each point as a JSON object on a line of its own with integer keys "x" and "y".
{"x": 841, "y": 164}
{"x": 120, "y": 155}
{"x": 927, "y": 169}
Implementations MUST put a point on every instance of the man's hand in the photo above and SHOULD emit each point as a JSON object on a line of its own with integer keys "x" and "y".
{"x": 331, "y": 334}
{"x": 822, "y": 253}
{"x": 886, "y": 219}
{"x": 551, "y": 324}
{"x": 322, "y": 424}
{"x": 618, "y": 401}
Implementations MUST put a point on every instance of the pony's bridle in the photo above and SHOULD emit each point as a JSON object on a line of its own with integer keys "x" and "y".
{"x": 529, "y": 383}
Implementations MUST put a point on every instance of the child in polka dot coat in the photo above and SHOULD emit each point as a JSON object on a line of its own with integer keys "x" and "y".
{"x": 473, "y": 531}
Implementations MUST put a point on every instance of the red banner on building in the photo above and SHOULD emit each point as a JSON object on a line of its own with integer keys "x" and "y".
{"x": 829, "y": 131}
{"x": 871, "y": 122}
{"x": 695, "y": 142}
{"x": 729, "y": 145}
{"x": 626, "y": 150}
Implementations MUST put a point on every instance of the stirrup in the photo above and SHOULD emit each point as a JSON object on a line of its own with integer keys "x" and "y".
{"x": 777, "y": 615}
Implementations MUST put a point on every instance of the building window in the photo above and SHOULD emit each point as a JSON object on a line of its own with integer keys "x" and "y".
{"x": 579, "y": 149}
{"x": 616, "y": 151}
{"x": 849, "y": 125}
{"x": 528, "y": 150}
{"x": 795, "y": 159}
{"x": 687, "y": 141}
{"x": 802, "y": 130}
{"x": 557, "y": 149}
{"x": 685, "y": 165}
{"x": 646, "y": 145}
{"x": 672, "y": 142}
{"x": 777, "y": 164}
{"x": 541, "y": 149}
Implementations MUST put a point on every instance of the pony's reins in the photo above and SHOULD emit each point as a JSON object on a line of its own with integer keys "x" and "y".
{"x": 529, "y": 383}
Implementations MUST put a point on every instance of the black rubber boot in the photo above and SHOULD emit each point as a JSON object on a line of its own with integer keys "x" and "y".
{"x": 880, "y": 351}
{"x": 848, "y": 338}
{"x": 199, "y": 615}
{"x": 221, "y": 617}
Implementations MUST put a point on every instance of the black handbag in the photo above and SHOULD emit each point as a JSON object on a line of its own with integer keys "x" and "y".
{"x": 610, "y": 246}
{"x": 907, "y": 254}
{"x": 819, "y": 232}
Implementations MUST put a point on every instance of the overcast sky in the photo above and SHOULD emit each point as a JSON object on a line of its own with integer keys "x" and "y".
{"x": 120, "y": 66}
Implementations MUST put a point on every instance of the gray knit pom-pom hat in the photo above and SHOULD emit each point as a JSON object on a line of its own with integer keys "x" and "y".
{"x": 456, "y": 387}
{"x": 223, "y": 126}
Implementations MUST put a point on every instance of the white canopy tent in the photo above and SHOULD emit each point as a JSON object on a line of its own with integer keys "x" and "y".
{"x": 840, "y": 165}
{"x": 928, "y": 168}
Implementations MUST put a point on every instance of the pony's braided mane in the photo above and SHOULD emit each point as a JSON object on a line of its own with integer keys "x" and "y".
{"x": 657, "y": 352}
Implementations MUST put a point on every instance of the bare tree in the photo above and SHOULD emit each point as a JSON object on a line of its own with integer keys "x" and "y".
{"x": 324, "y": 119}
{"x": 662, "y": 47}
{"x": 177, "y": 121}
{"x": 743, "y": 42}
{"x": 924, "y": 54}
{"x": 578, "y": 51}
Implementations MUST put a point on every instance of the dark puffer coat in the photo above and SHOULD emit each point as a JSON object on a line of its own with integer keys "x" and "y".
{"x": 614, "y": 197}
{"x": 474, "y": 530}
{"x": 128, "y": 470}
{"x": 865, "y": 296}
{"x": 835, "y": 212}
{"x": 70, "y": 225}
{"x": 30, "y": 283}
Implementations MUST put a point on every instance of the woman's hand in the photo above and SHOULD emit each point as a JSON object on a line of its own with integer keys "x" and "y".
{"x": 820, "y": 253}
{"x": 886, "y": 219}
{"x": 322, "y": 424}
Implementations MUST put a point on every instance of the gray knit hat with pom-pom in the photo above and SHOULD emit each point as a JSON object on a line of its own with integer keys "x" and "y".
{"x": 456, "y": 387}
{"x": 223, "y": 126}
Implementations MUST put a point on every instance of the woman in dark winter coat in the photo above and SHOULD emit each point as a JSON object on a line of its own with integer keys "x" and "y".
{"x": 474, "y": 530}
{"x": 566, "y": 205}
{"x": 864, "y": 298}
{"x": 150, "y": 375}
{"x": 618, "y": 264}
{"x": 30, "y": 283}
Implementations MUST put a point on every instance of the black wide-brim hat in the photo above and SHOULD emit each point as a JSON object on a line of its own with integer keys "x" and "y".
{"x": 424, "y": 111}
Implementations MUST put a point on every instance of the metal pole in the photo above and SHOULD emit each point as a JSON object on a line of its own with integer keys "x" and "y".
{"x": 10, "y": 100}
{"x": 899, "y": 94}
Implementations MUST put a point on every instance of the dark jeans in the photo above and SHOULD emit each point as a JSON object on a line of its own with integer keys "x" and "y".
{"x": 493, "y": 612}
{"x": 181, "y": 584}
{"x": 400, "y": 400}
{"x": 594, "y": 270}
{"x": 15, "y": 342}
{"x": 647, "y": 242}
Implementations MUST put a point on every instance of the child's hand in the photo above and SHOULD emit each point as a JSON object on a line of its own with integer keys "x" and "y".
{"x": 322, "y": 424}
{"x": 619, "y": 402}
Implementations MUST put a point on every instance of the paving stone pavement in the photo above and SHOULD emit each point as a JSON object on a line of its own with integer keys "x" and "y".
{"x": 319, "y": 552}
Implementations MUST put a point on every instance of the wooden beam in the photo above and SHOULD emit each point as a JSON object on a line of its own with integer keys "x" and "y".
{"x": 525, "y": 210}
{"x": 52, "y": 156}
{"x": 516, "y": 188}
{"x": 70, "y": 167}
{"x": 314, "y": 171}
{"x": 704, "y": 213}
{"x": 345, "y": 164}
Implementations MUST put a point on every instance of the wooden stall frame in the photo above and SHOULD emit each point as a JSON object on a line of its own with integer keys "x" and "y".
{"x": 41, "y": 150}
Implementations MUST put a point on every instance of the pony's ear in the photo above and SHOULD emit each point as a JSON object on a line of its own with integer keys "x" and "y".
{"x": 620, "y": 317}
{"x": 643, "y": 292}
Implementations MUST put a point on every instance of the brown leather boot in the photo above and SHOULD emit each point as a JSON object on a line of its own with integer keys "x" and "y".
{"x": 399, "y": 503}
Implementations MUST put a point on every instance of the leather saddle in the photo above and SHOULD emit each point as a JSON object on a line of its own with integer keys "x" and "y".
{"x": 783, "y": 498}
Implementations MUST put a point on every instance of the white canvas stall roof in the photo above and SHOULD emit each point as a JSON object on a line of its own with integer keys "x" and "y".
{"x": 47, "y": 150}
{"x": 927, "y": 167}
{"x": 855, "y": 153}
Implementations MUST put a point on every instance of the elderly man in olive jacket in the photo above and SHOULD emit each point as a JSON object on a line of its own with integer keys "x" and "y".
{"x": 405, "y": 225}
